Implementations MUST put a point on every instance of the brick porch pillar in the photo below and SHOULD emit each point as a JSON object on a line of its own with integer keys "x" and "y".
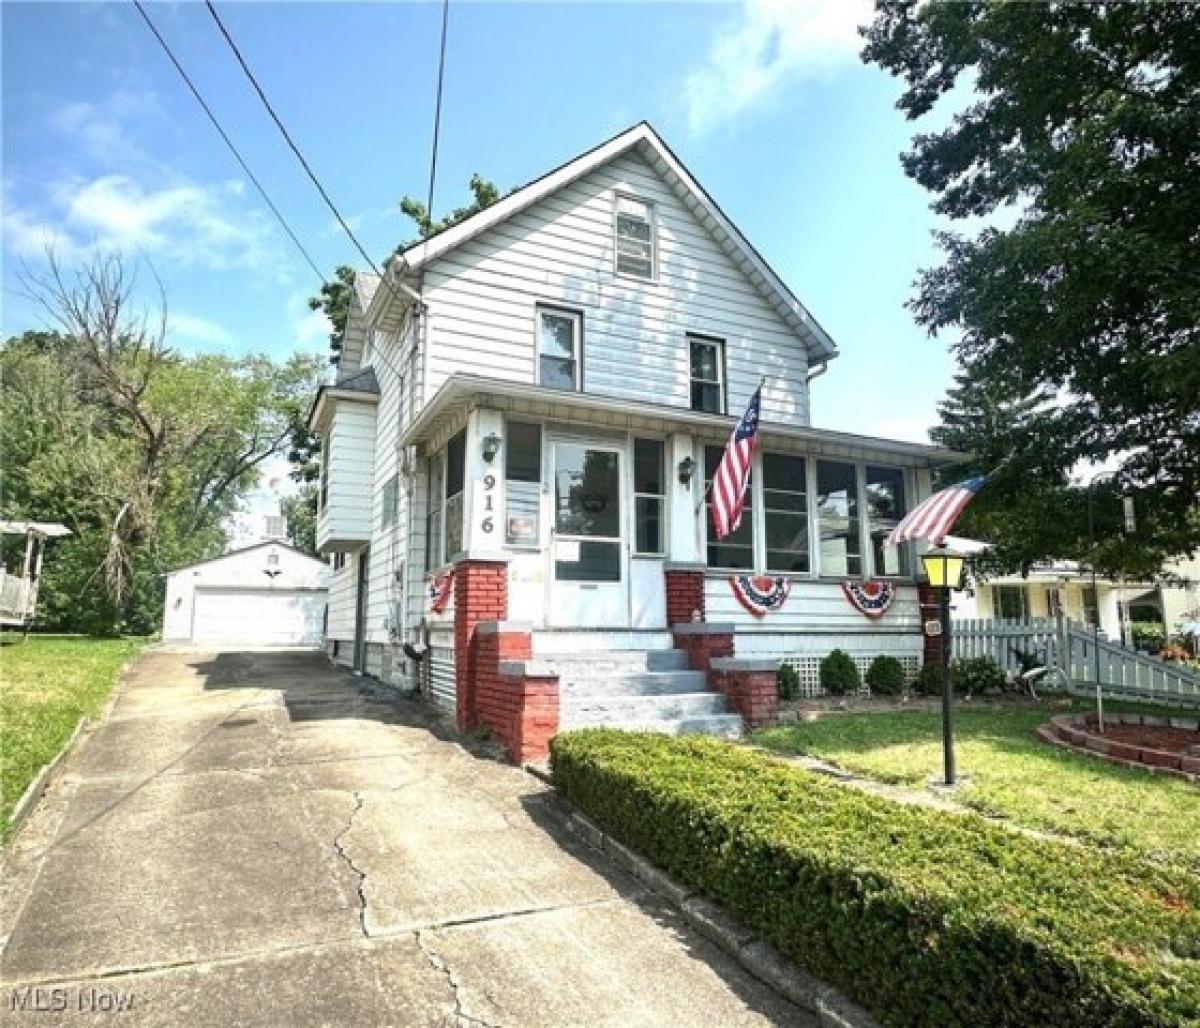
{"x": 703, "y": 641}
{"x": 685, "y": 592}
{"x": 750, "y": 686}
{"x": 480, "y": 594}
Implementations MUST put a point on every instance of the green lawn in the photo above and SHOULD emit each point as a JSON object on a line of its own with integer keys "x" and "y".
{"x": 1012, "y": 774}
{"x": 47, "y": 683}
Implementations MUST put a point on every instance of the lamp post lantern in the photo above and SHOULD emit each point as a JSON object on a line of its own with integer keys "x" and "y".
{"x": 944, "y": 570}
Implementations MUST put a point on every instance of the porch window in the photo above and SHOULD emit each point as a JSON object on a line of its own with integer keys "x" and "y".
{"x": 1091, "y": 606}
{"x": 635, "y": 243}
{"x": 433, "y": 518}
{"x": 1010, "y": 602}
{"x": 389, "y": 501}
{"x": 559, "y": 332}
{"x": 736, "y": 550}
{"x": 456, "y": 454}
{"x": 523, "y": 482}
{"x": 837, "y": 519}
{"x": 649, "y": 497}
{"x": 785, "y": 512}
{"x": 885, "y": 509}
{"x": 707, "y": 374}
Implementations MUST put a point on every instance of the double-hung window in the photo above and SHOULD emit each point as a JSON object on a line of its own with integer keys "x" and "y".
{"x": 885, "y": 509}
{"x": 390, "y": 501}
{"x": 785, "y": 512}
{"x": 1010, "y": 601}
{"x": 559, "y": 340}
{"x": 707, "y": 372}
{"x": 635, "y": 244}
{"x": 837, "y": 519}
{"x": 1091, "y": 607}
{"x": 456, "y": 454}
{"x": 523, "y": 482}
{"x": 736, "y": 550}
{"x": 649, "y": 497}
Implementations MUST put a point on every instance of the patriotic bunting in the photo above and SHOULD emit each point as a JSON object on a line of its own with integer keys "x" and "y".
{"x": 870, "y": 598}
{"x": 760, "y": 594}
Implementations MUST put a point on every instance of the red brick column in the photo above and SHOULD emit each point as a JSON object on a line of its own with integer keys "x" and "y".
{"x": 931, "y": 610}
{"x": 751, "y": 687}
{"x": 480, "y": 594}
{"x": 685, "y": 592}
{"x": 515, "y": 697}
{"x": 703, "y": 641}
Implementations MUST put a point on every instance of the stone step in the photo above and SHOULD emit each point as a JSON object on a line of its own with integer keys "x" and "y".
{"x": 569, "y": 643}
{"x": 643, "y": 683}
{"x": 723, "y": 726}
{"x": 616, "y": 662}
{"x": 576, "y": 711}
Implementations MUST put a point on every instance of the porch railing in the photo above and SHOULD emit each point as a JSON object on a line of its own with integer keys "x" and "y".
{"x": 1123, "y": 672}
{"x": 14, "y": 595}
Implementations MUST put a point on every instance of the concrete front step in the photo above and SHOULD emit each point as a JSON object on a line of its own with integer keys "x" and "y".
{"x": 637, "y": 683}
{"x": 724, "y": 726}
{"x": 591, "y": 665}
{"x": 571, "y": 643}
{"x": 576, "y": 711}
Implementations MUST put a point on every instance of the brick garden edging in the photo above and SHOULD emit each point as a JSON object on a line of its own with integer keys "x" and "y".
{"x": 762, "y": 960}
{"x": 1076, "y": 732}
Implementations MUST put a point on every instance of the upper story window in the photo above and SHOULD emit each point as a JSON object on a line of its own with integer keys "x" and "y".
{"x": 559, "y": 336}
{"x": 707, "y": 374}
{"x": 390, "y": 501}
{"x": 635, "y": 244}
{"x": 323, "y": 492}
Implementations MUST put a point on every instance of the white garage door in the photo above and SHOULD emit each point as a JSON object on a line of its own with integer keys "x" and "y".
{"x": 259, "y": 617}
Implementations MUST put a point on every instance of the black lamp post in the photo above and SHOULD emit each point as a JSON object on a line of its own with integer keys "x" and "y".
{"x": 944, "y": 570}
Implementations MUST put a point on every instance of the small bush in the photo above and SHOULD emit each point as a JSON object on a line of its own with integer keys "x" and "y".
{"x": 1148, "y": 635}
{"x": 929, "y": 680}
{"x": 839, "y": 674}
{"x": 976, "y": 675}
{"x": 789, "y": 682}
{"x": 922, "y": 916}
{"x": 885, "y": 676}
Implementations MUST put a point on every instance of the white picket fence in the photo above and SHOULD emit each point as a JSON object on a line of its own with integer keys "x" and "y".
{"x": 1124, "y": 672}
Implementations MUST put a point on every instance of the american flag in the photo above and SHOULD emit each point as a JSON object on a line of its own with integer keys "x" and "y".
{"x": 934, "y": 518}
{"x": 728, "y": 498}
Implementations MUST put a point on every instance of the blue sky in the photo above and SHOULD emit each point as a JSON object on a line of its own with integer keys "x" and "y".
{"x": 765, "y": 101}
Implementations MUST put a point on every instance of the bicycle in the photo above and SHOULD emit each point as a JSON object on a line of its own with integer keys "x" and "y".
{"x": 1035, "y": 671}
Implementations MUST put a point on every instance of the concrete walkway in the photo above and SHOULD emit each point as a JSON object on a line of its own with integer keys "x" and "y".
{"x": 250, "y": 839}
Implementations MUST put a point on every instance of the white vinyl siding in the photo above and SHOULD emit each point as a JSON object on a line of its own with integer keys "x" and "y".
{"x": 350, "y": 452}
{"x": 385, "y": 593}
{"x": 484, "y": 295}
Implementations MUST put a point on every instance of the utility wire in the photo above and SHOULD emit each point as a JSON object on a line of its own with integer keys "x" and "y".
{"x": 229, "y": 142}
{"x": 288, "y": 138}
{"x": 437, "y": 123}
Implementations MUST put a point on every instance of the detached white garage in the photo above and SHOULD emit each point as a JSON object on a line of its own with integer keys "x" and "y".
{"x": 269, "y": 594}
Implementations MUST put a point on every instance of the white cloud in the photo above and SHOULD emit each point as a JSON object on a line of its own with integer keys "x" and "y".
{"x": 198, "y": 330}
{"x": 768, "y": 44}
{"x": 99, "y": 128}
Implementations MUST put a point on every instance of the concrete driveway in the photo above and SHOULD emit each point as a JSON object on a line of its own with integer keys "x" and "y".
{"x": 249, "y": 838}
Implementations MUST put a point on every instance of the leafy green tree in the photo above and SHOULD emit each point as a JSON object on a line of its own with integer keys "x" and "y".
{"x": 300, "y": 513}
{"x": 142, "y": 452}
{"x": 1083, "y": 135}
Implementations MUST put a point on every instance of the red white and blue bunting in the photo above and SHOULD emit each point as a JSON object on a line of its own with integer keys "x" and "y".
{"x": 870, "y": 598}
{"x": 439, "y": 591}
{"x": 760, "y": 594}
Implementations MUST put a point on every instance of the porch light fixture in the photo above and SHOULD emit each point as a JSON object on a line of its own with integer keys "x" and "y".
{"x": 944, "y": 570}
{"x": 491, "y": 446}
{"x": 687, "y": 468}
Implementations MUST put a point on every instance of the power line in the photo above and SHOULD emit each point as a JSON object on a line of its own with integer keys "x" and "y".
{"x": 290, "y": 142}
{"x": 229, "y": 142}
{"x": 437, "y": 121}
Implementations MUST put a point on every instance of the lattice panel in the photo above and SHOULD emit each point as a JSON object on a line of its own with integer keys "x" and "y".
{"x": 809, "y": 670}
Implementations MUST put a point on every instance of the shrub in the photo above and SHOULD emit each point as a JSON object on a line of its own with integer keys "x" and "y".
{"x": 839, "y": 674}
{"x": 1148, "y": 635}
{"x": 924, "y": 917}
{"x": 789, "y": 682}
{"x": 929, "y": 680}
{"x": 885, "y": 676}
{"x": 976, "y": 675}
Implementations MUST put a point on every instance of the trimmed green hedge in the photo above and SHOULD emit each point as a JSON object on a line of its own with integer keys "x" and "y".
{"x": 924, "y": 917}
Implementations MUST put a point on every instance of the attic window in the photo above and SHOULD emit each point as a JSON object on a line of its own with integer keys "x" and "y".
{"x": 635, "y": 242}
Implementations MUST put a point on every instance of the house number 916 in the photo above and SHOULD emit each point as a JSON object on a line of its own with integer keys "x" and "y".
{"x": 489, "y": 522}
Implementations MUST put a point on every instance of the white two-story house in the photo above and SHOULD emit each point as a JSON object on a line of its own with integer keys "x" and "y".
{"x": 527, "y": 411}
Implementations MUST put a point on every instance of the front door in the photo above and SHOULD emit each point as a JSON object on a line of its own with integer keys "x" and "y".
{"x": 588, "y": 576}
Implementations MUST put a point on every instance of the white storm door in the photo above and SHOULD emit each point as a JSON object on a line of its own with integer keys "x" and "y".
{"x": 588, "y": 578}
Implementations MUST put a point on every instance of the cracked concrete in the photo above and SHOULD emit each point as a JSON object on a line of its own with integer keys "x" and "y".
{"x": 252, "y": 839}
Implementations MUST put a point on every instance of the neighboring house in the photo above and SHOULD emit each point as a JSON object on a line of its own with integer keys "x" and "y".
{"x": 526, "y": 414}
{"x": 1066, "y": 587}
{"x": 266, "y": 595}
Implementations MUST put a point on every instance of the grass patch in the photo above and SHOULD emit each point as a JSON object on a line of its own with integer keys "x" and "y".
{"x": 1012, "y": 774}
{"x": 924, "y": 917}
{"x": 47, "y": 683}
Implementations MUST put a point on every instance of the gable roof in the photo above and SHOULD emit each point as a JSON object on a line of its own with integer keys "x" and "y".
{"x": 644, "y": 139}
{"x": 247, "y": 549}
